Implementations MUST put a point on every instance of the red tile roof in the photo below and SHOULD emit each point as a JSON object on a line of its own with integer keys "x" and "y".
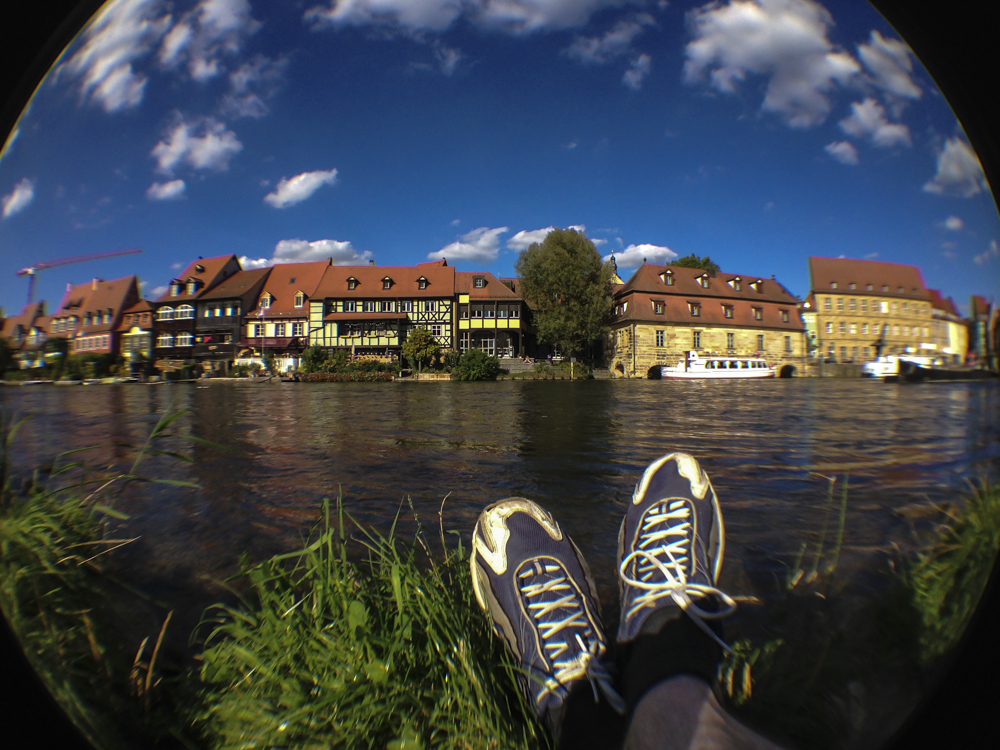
{"x": 492, "y": 289}
{"x": 142, "y": 306}
{"x": 207, "y": 271}
{"x": 98, "y": 297}
{"x": 888, "y": 279}
{"x": 25, "y": 320}
{"x": 647, "y": 279}
{"x": 403, "y": 279}
{"x": 243, "y": 284}
{"x": 285, "y": 280}
{"x": 677, "y": 309}
{"x": 942, "y": 304}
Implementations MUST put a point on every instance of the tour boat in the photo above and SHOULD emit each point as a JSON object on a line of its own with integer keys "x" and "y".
{"x": 713, "y": 368}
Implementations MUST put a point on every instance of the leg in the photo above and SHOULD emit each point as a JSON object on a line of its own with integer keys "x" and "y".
{"x": 670, "y": 639}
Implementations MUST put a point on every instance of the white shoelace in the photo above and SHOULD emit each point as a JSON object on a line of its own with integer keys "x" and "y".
{"x": 586, "y": 657}
{"x": 664, "y": 547}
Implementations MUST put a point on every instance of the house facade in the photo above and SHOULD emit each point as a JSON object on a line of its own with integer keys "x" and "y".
{"x": 491, "y": 316}
{"x": 23, "y": 331}
{"x": 662, "y": 312}
{"x": 175, "y": 311}
{"x": 219, "y": 313}
{"x": 949, "y": 331}
{"x": 864, "y": 308}
{"x": 370, "y": 310}
{"x": 277, "y": 319}
{"x": 90, "y": 315}
{"x": 136, "y": 332}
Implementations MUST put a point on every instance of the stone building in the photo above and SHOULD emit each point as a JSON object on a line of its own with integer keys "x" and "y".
{"x": 863, "y": 307}
{"x": 661, "y": 312}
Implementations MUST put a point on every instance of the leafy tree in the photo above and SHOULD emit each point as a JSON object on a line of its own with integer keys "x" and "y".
{"x": 693, "y": 261}
{"x": 420, "y": 347}
{"x": 314, "y": 359}
{"x": 568, "y": 288}
{"x": 271, "y": 363}
{"x": 476, "y": 364}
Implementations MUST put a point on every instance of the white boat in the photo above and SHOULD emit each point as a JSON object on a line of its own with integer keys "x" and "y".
{"x": 893, "y": 367}
{"x": 713, "y": 368}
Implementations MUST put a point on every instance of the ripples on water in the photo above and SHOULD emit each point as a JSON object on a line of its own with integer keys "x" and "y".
{"x": 577, "y": 448}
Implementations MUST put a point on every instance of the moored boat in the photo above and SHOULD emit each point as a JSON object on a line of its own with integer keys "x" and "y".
{"x": 694, "y": 367}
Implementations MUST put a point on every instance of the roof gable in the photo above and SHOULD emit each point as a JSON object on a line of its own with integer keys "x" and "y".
{"x": 843, "y": 275}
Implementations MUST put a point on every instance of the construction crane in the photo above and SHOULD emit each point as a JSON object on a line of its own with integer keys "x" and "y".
{"x": 32, "y": 271}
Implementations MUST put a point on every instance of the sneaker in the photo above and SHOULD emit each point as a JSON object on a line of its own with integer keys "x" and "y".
{"x": 670, "y": 548}
{"x": 535, "y": 586}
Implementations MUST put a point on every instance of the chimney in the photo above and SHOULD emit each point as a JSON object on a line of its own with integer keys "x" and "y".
{"x": 371, "y": 263}
{"x": 93, "y": 284}
{"x": 69, "y": 286}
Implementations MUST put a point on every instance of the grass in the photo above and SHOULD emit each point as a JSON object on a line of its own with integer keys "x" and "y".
{"x": 387, "y": 653}
{"x": 386, "y": 648}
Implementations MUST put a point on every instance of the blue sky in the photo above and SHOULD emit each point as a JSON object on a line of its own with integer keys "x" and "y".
{"x": 757, "y": 132}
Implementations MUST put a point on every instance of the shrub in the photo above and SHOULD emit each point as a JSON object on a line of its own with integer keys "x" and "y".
{"x": 476, "y": 364}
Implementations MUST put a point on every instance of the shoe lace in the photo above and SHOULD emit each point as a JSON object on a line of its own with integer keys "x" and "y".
{"x": 664, "y": 547}
{"x": 570, "y": 643}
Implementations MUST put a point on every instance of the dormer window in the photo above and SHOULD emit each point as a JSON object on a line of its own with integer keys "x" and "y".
{"x": 658, "y": 307}
{"x": 265, "y": 301}
{"x": 192, "y": 286}
{"x": 199, "y": 268}
{"x": 758, "y": 313}
{"x": 833, "y": 284}
{"x": 735, "y": 283}
{"x": 784, "y": 316}
{"x": 422, "y": 283}
{"x": 758, "y": 286}
{"x": 899, "y": 290}
{"x": 727, "y": 311}
{"x": 885, "y": 287}
{"x": 175, "y": 289}
{"x": 703, "y": 281}
{"x": 479, "y": 282}
{"x": 869, "y": 287}
{"x": 86, "y": 319}
{"x": 300, "y": 299}
{"x": 852, "y": 285}
{"x": 352, "y": 283}
{"x": 695, "y": 309}
{"x": 667, "y": 277}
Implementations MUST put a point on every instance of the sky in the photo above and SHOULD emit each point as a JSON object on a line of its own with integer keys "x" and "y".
{"x": 757, "y": 132}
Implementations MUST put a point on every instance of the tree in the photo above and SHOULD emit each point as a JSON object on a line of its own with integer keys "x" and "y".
{"x": 420, "y": 347}
{"x": 693, "y": 261}
{"x": 568, "y": 288}
{"x": 314, "y": 359}
{"x": 476, "y": 364}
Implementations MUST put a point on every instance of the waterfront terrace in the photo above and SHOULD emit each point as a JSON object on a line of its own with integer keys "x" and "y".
{"x": 662, "y": 312}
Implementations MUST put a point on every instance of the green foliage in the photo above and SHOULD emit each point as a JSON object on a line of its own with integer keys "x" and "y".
{"x": 949, "y": 576}
{"x": 86, "y": 366}
{"x": 476, "y": 364}
{"x": 694, "y": 261}
{"x": 314, "y": 359}
{"x": 420, "y": 347}
{"x": 450, "y": 360}
{"x": 392, "y": 652}
{"x": 271, "y": 363}
{"x": 568, "y": 288}
{"x": 247, "y": 370}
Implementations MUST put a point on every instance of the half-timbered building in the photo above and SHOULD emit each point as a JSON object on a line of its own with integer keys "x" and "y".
{"x": 490, "y": 316}
{"x": 218, "y": 327}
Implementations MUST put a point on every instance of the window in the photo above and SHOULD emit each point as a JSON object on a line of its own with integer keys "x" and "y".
{"x": 165, "y": 313}
{"x": 735, "y": 283}
{"x": 843, "y": 354}
{"x": 829, "y": 327}
{"x": 465, "y": 313}
{"x": 279, "y": 329}
{"x": 867, "y": 351}
{"x": 406, "y": 306}
{"x": 192, "y": 287}
{"x": 895, "y": 307}
{"x": 421, "y": 283}
{"x": 828, "y": 304}
{"x": 659, "y": 338}
{"x": 885, "y": 287}
{"x": 175, "y": 289}
{"x": 895, "y": 330}
{"x": 502, "y": 312}
{"x": 435, "y": 330}
{"x": 258, "y": 330}
{"x": 489, "y": 312}
{"x": 695, "y": 309}
{"x": 852, "y": 305}
{"x": 730, "y": 340}
{"x": 300, "y": 299}
{"x": 906, "y": 330}
{"x": 869, "y": 287}
{"x": 667, "y": 277}
{"x": 843, "y": 327}
{"x": 184, "y": 339}
{"x": 727, "y": 311}
{"x": 479, "y": 282}
{"x": 840, "y": 304}
{"x": 463, "y": 342}
{"x": 86, "y": 319}
{"x": 297, "y": 329}
{"x": 477, "y": 312}
{"x": 833, "y": 284}
{"x": 385, "y": 306}
{"x": 760, "y": 342}
{"x": 696, "y": 340}
{"x": 515, "y": 312}
{"x": 864, "y": 305}
{"x": 788, "y": 344}
{"x": 854, "y": 328}
{"x": 430, "y": 306}
{"x": 387, "y": 283}
{"x": 184, "y": 312}
{"x": 658, "y": 308}
{"x": 864, "y": 329}
{"x": 852, "y": 285}
{"x": 369, "y": 305}
{"x": 107, "y": 317}
{"x": 164, "y": 340}
{"x": 784, "y": 316}
{"x": 703, "y": 280}
{"x": 758, "y": 313}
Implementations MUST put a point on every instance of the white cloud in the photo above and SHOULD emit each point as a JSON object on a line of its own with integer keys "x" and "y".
{"x": 639, "y": 70}
{"x": 525, "y": 238}
{"x": 992, "y": 251}
{"x": 633, "y": 255}
{"x": 481, "y": 245}
{"x": 842, "y": 151}
{"x": 121, "y": 33}
{"x": 292, "y": 190}
{"x": 157, "y": 291}
{"x": 164, "y": 191}
{"x": 783, "y": 39}
{"x": 203, "y": 35}
{"x": 448, "y": 59}
{"x": 953, "y": 223}
{"x": 868, "y": 120}
{"x": 888, "y": 61}
{"x": 177, "y": 266}
{"x": 303, "y": 251}
{"x": 18, "y": 199}
{"x": 511, "y": 16}
{"x": 958, "y": 171}
{"x": 869, "y": 256}
{"x": 615, "y": 43}
{"x": 203, "y": 143}
{"x": 251, "y": 85}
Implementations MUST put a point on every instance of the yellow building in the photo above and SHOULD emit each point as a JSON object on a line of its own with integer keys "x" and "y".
{"x": 664, "y": 311}
{"x": 864, "y": 307}
{"x": 490, "y": 316}
{"x": 949, "y": 330}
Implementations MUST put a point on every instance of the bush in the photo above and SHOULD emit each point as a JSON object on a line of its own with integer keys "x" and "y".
{"x": 476, "y": 364}
{"x": 246, "y": 370}
{"x": 371, "y": 376}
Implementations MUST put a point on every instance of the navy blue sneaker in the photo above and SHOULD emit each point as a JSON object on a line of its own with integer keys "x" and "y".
{"x": 536, "y": 588}
{"x": 670, "y": 549}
